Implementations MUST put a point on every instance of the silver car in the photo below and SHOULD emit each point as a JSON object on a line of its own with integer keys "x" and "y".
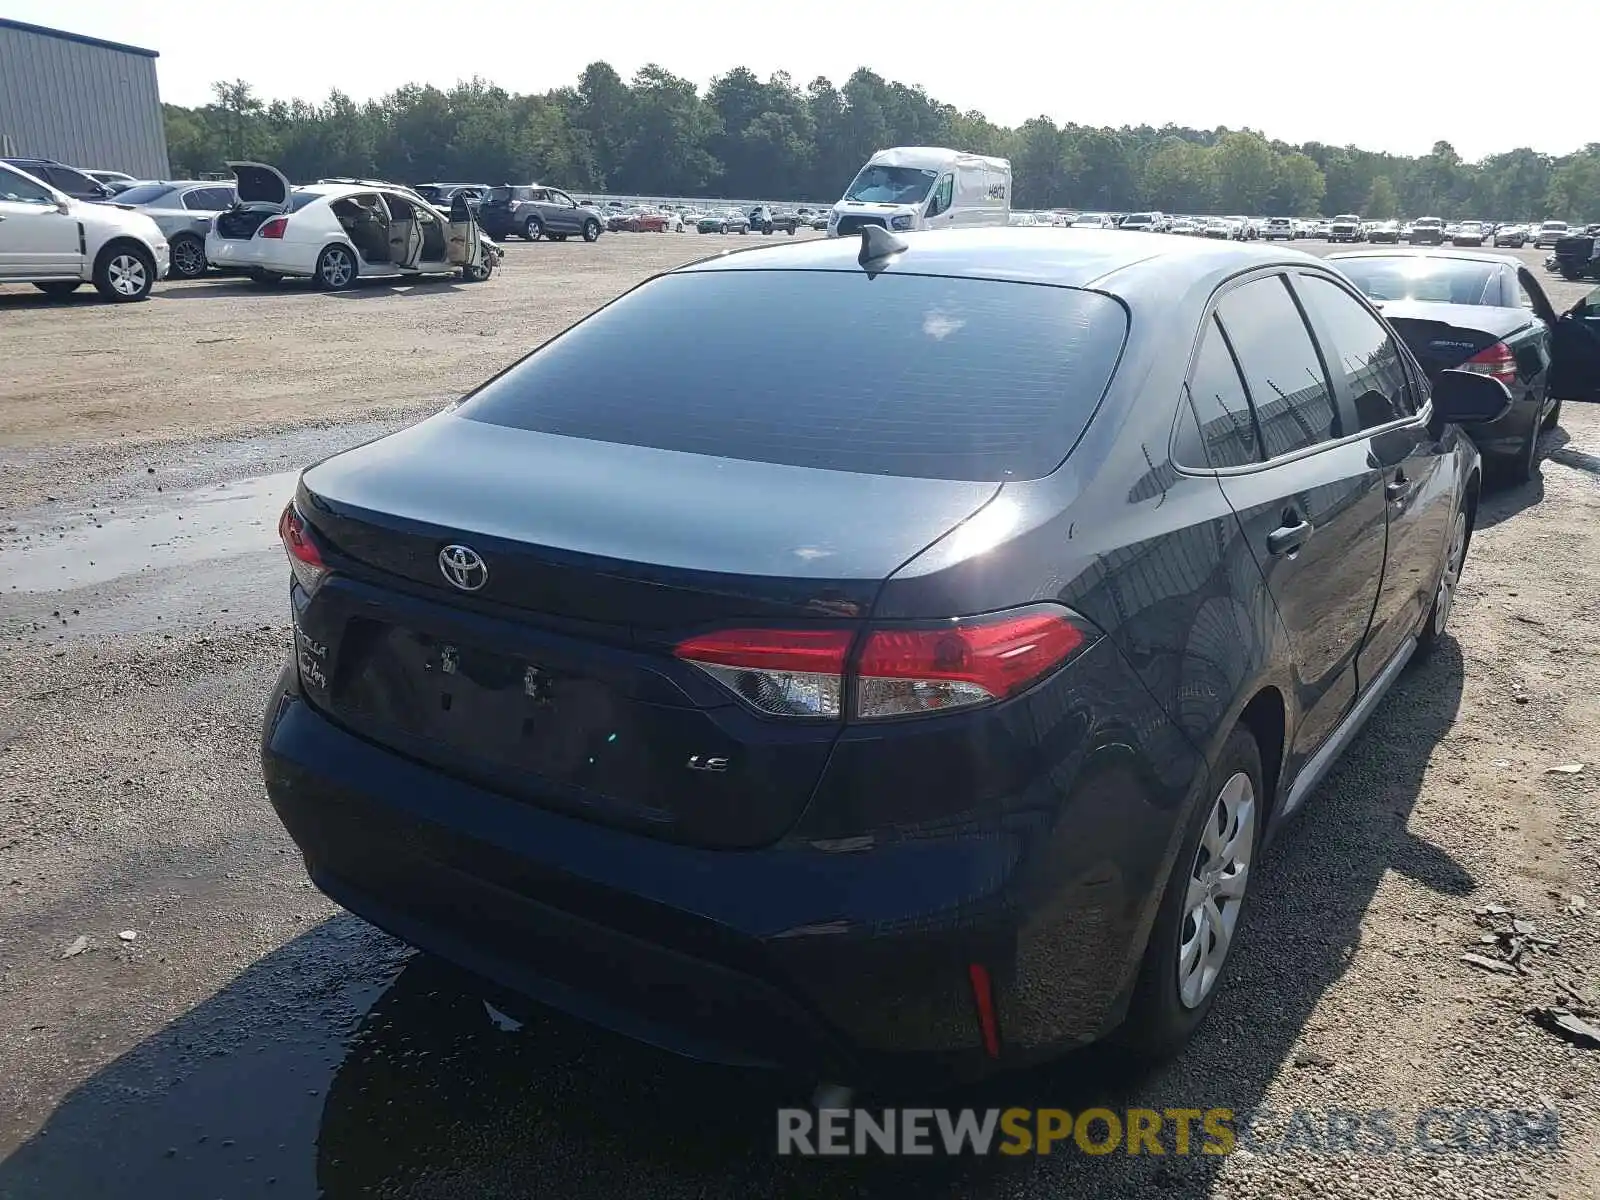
{"x": 183, "y": 209}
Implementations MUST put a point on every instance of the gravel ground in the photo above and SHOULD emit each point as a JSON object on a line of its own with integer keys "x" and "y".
{"x": 252, "y": 1040}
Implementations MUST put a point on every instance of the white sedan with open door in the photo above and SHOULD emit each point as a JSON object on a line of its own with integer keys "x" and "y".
{"x": 337, "y": 232}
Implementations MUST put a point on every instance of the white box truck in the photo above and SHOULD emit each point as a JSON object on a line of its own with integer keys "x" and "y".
{"x": 925, "y": 187}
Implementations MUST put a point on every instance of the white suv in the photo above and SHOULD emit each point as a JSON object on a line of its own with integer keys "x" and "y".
{"x": 57, "y": 243}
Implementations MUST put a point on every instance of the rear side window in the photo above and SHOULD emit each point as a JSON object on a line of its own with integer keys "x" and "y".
{"x": 1227, "y": 433}
{"x": 215, "y": 199}
{"x": 898, "y": 375}
{"x": 74, "y": 183}
{"x": 1293, "y": 403}
{"x": 1363, "y": 352}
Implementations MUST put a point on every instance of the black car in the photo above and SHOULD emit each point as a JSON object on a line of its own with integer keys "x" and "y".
{"x": 441, "y": 194}
{"x": 1575, "y": 256}
{"x": 1486, "y": 313}
{"x": 1427, "y": 231}
{"x": 80, "y": 185}
{"x": 924, "y": 702}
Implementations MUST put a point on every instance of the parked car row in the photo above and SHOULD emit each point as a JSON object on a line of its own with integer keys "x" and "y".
{"x": 333, "y": 232}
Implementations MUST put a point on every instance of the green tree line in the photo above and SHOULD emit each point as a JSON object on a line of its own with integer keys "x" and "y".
{"x": 658, "y": 134}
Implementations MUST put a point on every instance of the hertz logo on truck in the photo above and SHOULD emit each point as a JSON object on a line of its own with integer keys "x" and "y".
{"x": 997, "y": 191}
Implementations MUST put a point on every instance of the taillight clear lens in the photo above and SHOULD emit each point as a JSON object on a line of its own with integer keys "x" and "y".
{"x": 963, "y": 663}
{"x": 304, "y": 558}
{"x": 902, "y": 671}
{"x": 1496, "y": 361}
{"x": 785, "y": 672}
{"x": 273, "y": 228}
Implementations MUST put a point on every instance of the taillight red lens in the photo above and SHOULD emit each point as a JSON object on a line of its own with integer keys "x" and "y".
{"x": 786, "y": 672}
{"x": 305, "y": 560}
{"x": 1496, "y": 361}
{"x": 273, "y": 228}
{"x": 905, "y": 671}
{"x": 902, "y": 670}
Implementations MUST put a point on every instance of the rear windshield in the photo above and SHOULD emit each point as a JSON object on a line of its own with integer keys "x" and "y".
{"x": 1442, "y": 280}
{"x": 144, "y": 193}
{"x": 899, "y": 375}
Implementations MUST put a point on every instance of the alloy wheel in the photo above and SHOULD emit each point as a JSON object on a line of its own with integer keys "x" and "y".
{"x": 1444, "y": 600}
{"x": 337, "y": 269}
{"x": 1216, "y": 887}
{"x": 127, "y": 275}
{"x": 188, "y": 258}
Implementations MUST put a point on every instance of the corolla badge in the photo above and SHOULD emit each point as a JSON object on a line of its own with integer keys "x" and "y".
{"x": 463, "y": 567}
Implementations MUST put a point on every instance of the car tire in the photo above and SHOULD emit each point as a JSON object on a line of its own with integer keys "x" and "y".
{"x": 1525, "y": 465}
{"x": 59, "y": 289}
{"x": 1551, "y": 418}
{"x": 479, "y": 273}
{"x": 188, "y": 256}
{"x": 124, "y": 272}
{"x": 532, "y": 229}
{"x": 1215, "y": 857}
{"x": 791, "y": 230}
{"x": 336, "y": 269}
{"x": 1444, "y": 592}
{"x": 591, "y": 230}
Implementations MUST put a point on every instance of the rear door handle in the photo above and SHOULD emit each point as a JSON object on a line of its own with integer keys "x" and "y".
{"x": 1286, "y": 539}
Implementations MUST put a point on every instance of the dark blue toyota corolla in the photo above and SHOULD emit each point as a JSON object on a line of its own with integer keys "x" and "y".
{"x": 860, "y": 656}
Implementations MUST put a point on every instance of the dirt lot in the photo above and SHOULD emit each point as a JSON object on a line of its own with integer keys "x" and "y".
{"x": 251, "y": 1040}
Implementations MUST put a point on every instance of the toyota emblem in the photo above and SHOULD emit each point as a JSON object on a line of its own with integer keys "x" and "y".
{"x": 463, "y": 567}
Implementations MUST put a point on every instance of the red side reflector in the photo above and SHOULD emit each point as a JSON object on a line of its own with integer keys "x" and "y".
{"x": 273, "y": 228}
{"x": 1496, "y": 361}
{"x": 983, "y": 997}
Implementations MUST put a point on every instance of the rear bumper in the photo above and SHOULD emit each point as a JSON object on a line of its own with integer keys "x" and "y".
{"x": 1507, "y": 437}
{"x": 848, "y": 960}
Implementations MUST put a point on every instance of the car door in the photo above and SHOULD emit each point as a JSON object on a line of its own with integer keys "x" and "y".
{"x": 1575, "y": 351}
{"x": 466, "y": 248}
{"x": 1313, "y": 512}
{"x": 1377, "y": 395}
{"x": 938, "y": 214}
{"x": 563, "y": 212}
{"x": 36, "y": 237}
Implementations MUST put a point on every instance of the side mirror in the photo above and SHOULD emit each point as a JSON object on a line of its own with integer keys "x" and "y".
{"x": 63, "y": 205}
{"x": 1466, "y": 398}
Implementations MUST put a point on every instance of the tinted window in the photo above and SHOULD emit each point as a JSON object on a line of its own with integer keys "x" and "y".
{"x": 144, "y": 193}
{"x": 20, "y": 189}
{"x": 1364, "y": 352}
{"x": 1227, "y": 434}
{"x": 298, "y": 200}
{"x": 208, "y": 199}
{"x": 1424, "y": 277}
{"x": 898, "y": 375}
{"x": 1287, "y": 386}
{"x": 75, "y": 183}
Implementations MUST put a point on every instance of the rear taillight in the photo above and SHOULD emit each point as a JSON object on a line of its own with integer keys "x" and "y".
{"x": 304, "y": 558}
{"x": 786, "y": 672}
{"x": 273, "y": 228}
{"x": 1495, "y": 361}
{"x": 901, "y": 670}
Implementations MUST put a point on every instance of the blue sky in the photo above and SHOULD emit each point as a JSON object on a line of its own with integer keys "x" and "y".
{"x": 1474, "y": 72}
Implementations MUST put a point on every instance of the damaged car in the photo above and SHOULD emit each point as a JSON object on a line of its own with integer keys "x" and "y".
{"x": 336, "y": 232}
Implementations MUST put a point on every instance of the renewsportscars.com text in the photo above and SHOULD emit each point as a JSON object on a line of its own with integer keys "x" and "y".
{"x": 1171, "y": 1131}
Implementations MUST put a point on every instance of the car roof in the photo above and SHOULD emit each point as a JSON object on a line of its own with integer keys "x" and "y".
{"x": 1504, "y": 260}
{"x": 1057, "y": 256}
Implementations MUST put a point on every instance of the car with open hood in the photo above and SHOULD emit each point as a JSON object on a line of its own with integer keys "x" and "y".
{"x": 58, "y": 243}
{"x": 1464, "y": 310}
{"x": 335, "y": 232}
{"x": 925, "y": 702}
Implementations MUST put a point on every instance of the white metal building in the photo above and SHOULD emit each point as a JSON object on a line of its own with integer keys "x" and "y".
{"x": 80, "y": 100}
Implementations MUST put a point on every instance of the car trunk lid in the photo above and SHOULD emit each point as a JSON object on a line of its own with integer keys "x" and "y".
{"x": 261, "y": 186}
{"x": 551, "y": 678}
{"x": 1443, "y": 336}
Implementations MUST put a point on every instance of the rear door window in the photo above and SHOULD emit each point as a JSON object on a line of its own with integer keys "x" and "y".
{"x": 898, "y": 375}
{"x": 1293, "y": 403}
{"x": 1226, "y": 430}
{"x": 1363, "y": 355}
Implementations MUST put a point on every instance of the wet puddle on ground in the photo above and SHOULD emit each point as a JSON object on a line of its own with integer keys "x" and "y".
{"x": 178, "y": 529}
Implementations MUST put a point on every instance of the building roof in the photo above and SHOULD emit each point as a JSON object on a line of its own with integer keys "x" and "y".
{"x": 63, "y": 35}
